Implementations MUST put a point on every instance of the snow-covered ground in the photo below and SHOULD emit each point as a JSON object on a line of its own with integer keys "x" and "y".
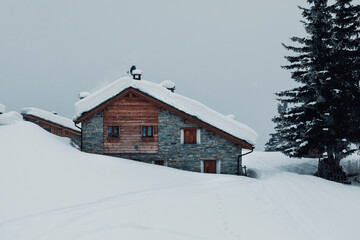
{"x": 10, "y": 118}
{"x": 50, "y": 190}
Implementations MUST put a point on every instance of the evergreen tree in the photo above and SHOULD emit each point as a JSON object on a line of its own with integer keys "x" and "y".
{"x": 345, "y": 67}
{"x": 321, "y": 119}
{"x": 276, "y": 141}
{"x": 303, "y": 123}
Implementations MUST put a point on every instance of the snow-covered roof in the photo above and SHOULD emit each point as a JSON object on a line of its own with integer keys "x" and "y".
{"x": 49, "y": 116}
{"x": 2, "y": 108}
{"x": 137, "y": 71}
{"x": 187, "y": 105}
{"x": 83, "y": 95}
{"x": 231, "y": 116}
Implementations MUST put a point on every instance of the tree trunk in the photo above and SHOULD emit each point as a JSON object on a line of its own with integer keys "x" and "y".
{"x": 329, "y": 168}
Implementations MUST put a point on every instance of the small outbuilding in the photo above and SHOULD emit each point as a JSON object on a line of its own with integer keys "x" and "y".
{"x": 53, "y": 123}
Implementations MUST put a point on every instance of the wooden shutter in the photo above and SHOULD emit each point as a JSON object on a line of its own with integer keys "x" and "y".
{"x": 189, "y": 135}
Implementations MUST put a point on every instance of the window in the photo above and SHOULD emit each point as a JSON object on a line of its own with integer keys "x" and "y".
{"x": 113, "y": 132}
{"x": 147, "y": 131}
{"x": 190, "y": 136}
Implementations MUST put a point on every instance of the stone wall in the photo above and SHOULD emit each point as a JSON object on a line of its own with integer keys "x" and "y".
{"x": 76, "y": 139}
{"x": 92, "y": 134}
{"x": 186, "y": 156}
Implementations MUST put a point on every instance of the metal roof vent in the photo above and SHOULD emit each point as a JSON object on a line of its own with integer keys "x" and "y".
{"x": 83, "y": 95}
{"x": 168, "y": 85}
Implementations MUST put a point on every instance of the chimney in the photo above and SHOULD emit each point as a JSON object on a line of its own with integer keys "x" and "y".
{"x": 54, "y": 112}
{"x": 137, "y": 74}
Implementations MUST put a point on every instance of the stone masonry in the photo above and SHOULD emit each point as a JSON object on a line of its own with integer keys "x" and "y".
{"x": 176, "y": 155}
{"x": 92, "y": 134}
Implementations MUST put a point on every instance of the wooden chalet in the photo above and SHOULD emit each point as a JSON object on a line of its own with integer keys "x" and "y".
{"x": 145, "y": 121}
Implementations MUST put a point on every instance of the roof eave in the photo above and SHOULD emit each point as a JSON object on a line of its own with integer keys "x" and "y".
{"x": 46, "y": 120}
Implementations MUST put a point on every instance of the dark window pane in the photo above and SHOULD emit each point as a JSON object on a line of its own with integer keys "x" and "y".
{"x": 149, "y": 131}
{"x": 116, "y": 131}
{"x": 110, "y": 131}
{"x": 144, "y": 131}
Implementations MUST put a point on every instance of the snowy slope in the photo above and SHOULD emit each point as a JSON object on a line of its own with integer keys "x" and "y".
{"x": 267, "y": 164}
{"x": 10, "y": 118}
{"x": 49, "y": 190}
{"x": 175, "y": 100}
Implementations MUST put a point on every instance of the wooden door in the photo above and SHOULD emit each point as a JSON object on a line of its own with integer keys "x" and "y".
{"x": 209, "y": 166}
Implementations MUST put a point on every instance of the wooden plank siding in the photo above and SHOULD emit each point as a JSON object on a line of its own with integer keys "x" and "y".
{"x": 130, "y": 113}
{"x": 51, "y": 127}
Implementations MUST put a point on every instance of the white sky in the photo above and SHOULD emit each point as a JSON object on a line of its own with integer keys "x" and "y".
{"x": 226, "y": 53}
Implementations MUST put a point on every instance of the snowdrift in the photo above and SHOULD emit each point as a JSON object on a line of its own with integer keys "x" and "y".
{"x": 49, "y": 190}
{"x": 10, "y": 118}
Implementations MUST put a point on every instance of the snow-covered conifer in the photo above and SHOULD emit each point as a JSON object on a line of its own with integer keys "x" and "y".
{"x": 276, "y": 141}
{"x": 321, "y": 119}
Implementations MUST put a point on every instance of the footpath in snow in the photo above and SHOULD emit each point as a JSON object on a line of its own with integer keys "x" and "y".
{"x": 50, "y": 190}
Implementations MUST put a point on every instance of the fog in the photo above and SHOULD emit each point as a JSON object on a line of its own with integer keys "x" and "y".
{"x": 226, "y": 54}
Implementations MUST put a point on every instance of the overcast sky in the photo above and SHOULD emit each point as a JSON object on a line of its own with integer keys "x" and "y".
{"x": 226, "y": 54}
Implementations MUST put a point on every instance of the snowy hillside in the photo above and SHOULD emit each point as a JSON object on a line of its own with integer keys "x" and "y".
{"x": 49, "y": 190}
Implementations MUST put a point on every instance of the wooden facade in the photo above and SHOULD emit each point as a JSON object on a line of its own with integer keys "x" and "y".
{"x": 131, "y": 113}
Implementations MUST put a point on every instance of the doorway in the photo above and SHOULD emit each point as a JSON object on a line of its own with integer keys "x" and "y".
{"x": 209, "y": 166}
